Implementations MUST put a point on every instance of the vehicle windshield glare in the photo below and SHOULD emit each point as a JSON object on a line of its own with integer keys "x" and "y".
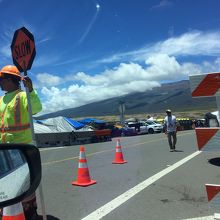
{"x": 14, "y": 174}
{"x": 150, "y": 123}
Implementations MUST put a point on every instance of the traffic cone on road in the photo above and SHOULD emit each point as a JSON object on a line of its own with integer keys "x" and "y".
{"x": 13, "y": 212}
{"x": 83, "y": 177}
{"x": 118, "y": 154}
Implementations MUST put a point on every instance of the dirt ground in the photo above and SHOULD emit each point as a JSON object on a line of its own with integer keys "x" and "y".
{"x": 187, "y": 114}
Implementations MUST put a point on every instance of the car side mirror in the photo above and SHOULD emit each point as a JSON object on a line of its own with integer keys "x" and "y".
{"x": 20, "y": 172}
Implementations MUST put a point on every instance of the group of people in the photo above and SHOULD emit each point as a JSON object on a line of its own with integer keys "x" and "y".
{"x": 15, "y": 120}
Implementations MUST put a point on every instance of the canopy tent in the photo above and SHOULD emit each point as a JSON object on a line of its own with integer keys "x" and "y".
{"x": 77, "y": 125}
{"x": 42, "y": 128}
{"x": 58, "y": 124}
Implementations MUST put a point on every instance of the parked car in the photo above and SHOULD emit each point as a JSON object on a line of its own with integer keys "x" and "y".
{"x": 128, "y": 131}
{"x": 153, "y": 127}
{"x": 138, "y": 127}
{"x": 145, "y": 127}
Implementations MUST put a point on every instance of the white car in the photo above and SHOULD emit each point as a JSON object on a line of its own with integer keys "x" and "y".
{"x": 145, "y": 127}
{"x": 139, "y": 127}
{"x": 153, "y": 127}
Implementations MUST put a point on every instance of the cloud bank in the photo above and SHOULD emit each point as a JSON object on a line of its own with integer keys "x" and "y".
{"x": 136, "y": 71}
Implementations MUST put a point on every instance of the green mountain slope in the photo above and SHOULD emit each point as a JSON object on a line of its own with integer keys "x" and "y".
{"x": 176, "y": 96}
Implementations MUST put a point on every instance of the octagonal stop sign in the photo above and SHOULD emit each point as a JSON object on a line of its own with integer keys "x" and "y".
{"x": 23, "y": 49}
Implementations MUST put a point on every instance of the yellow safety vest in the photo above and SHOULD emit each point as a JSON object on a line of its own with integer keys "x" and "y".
{"x": 15, "y": 123}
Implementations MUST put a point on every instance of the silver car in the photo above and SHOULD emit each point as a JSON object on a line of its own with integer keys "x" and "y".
{"x": 153, "y": 127}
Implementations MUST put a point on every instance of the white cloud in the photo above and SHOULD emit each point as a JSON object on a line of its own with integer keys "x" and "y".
{"x": 162, "y": 4}
{"x": 119, "y": 81}
{"x": 161, "y": 66}
{"x": 48, "y": 79}
{"x": 194, "y": 43}
{"x": 122, "y": 74}
{"x": 122, "y": 80}
{"x": 43, "y": 40}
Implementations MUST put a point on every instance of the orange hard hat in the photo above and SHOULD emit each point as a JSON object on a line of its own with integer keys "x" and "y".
{"x": 9, "y": 69}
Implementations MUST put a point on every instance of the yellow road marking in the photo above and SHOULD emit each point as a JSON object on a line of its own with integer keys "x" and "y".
{"x": 72, "y": 158}
{"x": 104, "y": 151}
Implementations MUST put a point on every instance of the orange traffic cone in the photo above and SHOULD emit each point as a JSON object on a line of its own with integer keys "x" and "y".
{"x": 118, "y": 154}
{"x": 83, "y": 177}
{"x": 13, "y": 212}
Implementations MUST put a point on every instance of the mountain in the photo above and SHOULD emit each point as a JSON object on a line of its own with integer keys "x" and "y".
{"x": 175, "y": 96}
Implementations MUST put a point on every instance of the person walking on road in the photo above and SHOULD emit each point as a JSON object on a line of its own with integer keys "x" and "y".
{"x": 170, "y": 129}
{"x": 15, "y": 122}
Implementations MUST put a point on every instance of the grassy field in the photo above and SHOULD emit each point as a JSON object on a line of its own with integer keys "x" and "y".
{"x": 194, "y": 114}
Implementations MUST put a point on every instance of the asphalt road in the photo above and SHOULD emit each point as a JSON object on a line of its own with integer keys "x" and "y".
{"x": 178, "y": 193}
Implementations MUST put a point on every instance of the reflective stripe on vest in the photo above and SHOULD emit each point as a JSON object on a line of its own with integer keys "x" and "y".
{"x": 15, "y": 128}
{"x": 18, "y": 126}
{"x": 17, "y": 109}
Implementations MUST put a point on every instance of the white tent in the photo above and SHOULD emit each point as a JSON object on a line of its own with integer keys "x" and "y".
{"x": 41, "y": 128}
{"x": 56, "y": 125}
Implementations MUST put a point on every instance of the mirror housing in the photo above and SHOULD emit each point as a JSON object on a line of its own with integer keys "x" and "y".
{"x": 32, "y": 156}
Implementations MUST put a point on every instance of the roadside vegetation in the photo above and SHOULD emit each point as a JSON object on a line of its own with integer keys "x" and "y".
{"x": 194, "y": 114}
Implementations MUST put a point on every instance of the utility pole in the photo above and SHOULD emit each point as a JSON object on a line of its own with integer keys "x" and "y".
{"x": 122, "y": 112}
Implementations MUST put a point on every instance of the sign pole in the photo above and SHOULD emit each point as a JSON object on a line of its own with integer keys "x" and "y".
{"x": 122, "y": 112}
{"x": 23, "y": 54}
{"x": 40, "y": 188}
{"x": 30, "y": 110}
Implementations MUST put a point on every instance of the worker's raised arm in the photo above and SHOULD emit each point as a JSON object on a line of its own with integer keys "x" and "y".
{"x": 34, "y": 98}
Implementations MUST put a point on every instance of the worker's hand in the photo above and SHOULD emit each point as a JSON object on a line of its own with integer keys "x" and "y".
{"x": 28, "y": 83}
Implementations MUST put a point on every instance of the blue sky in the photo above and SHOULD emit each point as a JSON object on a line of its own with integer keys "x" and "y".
{"x": 91, "y": 50}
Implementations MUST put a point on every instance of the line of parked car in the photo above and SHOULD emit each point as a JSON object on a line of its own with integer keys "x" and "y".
{"x": 141, "y": 127}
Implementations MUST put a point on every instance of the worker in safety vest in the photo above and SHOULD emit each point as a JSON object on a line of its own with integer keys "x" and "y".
{"x": 14, "y": 115}
{"x": 15, "y": 124}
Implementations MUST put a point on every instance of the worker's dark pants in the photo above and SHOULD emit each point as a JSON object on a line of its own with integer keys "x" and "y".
{"x": 30, "y": 207}
{"x": 172, "y": 139}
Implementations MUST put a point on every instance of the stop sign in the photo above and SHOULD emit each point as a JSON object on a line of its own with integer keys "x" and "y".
{"x": 23, "y": 49}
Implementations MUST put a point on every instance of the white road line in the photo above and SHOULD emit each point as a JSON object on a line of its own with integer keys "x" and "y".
{"x": 110, "y": 206}
{"x": 211, "y": 217}
{"x": 51, "y": 148}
